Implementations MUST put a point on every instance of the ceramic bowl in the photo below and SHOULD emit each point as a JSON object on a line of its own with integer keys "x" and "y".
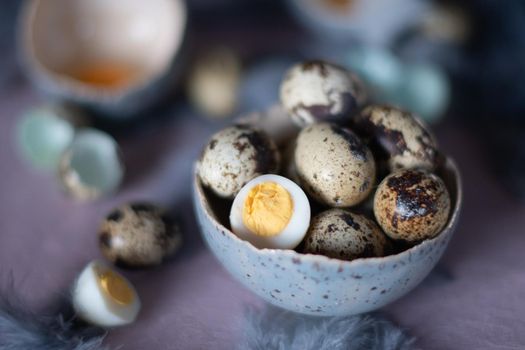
{"x": 116, "y": 57}
{"x": 315, "y": 284}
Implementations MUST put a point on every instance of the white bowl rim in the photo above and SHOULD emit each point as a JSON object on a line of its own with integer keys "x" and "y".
{"x": 333, "y": 262}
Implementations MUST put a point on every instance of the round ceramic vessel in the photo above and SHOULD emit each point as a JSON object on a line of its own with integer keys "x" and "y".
{"x": 315, "y": 284}
{"x": 114, "y": 57}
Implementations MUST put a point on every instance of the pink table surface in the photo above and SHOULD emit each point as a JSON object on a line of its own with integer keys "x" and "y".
{"x": 474, "y": 300}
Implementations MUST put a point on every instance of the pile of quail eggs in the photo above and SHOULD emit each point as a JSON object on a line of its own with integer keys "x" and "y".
{"x": 350, "y": 180}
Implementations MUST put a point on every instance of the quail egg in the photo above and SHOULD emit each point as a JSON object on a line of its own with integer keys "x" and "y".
{"x": 234, "y": 156}
{"x": 333, "y": 165}
{"x": 138, "y": 235}
{"x": 400, "y": 136}
{"x": 340, "y": 234}
{"x": 271, "y": 211}
{"x": 412, "y": 205}
{"x": 317, "y": 91}
{"x": 104, "y": 297}
{"x": 214, "y": 82}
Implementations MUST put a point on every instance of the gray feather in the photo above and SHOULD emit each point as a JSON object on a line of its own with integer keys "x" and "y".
{"x": 21, "y": 329}
{"x": 275, "y": 329}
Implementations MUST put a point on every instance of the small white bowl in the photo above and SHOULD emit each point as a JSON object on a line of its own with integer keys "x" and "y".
{"x": 116, "y": 57}
{"x": 315, "y": 284}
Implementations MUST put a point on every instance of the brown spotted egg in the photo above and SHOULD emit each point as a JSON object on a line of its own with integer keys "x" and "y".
{"x": 138, "y": 235}
{"x": 333, "y": 165}
{"x": 399, "y": 135}
{"x": 317, "y": 91}
{"x": 340, "y": 234}
{"x": 412, "y": 205}
{"x": 234, "y": 156}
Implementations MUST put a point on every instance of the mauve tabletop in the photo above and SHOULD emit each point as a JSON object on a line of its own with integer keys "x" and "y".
{"x": 473, "y": 300}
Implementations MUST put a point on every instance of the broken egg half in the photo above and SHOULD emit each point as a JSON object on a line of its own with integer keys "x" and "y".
{"x": 104, "y": 297}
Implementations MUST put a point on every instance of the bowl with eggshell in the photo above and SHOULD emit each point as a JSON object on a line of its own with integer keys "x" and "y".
{"x": 114, "y": 57}
{"x": 316, "y": 283}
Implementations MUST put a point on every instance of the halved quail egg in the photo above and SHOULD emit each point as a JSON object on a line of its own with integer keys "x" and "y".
{"x": 104, "y": 297}
{"x": 271, "y": 211}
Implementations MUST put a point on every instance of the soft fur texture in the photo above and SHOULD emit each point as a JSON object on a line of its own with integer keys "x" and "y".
{"x": 21, "y": 329}
{"x": 275, "y": 329}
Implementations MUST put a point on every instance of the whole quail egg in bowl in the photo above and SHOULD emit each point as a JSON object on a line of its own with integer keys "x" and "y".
{"x": 289, "y": 242}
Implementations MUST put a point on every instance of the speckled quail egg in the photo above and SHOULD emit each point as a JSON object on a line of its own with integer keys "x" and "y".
{"x": 340, "y": 234}
{"x": 412, "y": 205}
{"x": 333, "y": 165}
{"x": 400, "y": 136}
{"x": 138, "y": 235}
{"x": 271, "y": 211}
{"x": 104, "y": 297}
{"x": 317, "y": 91}
{"x": 234, "y": 156}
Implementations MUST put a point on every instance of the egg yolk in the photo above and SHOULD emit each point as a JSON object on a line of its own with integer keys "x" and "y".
{"x": 116, "y": 287}
{"x": 267, "y": 209}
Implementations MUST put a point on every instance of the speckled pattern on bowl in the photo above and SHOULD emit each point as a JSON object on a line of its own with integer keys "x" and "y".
{"x": 315, "y": 284}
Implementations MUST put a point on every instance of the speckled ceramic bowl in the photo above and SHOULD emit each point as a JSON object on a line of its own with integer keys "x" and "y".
{"x": 315, "y": 284}
{"x": 116, "y": 57}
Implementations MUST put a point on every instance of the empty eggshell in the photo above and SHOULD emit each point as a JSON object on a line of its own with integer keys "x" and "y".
{"x": 44, "y": 133}
{"x": 340, "y": 234}
{"x": 317, "y": 91}
{"x": 116, "y": 57}
{"x": 138, "y": 235}
{"x": 412, "y": 205}
{"x": 234, "y": 156}
{"x": 399, "y": 135}
{"x": 333, "y": 165}
{"x": 91, "y": 166}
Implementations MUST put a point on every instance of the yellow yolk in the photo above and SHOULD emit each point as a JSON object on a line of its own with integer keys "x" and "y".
{"x": 116, "y": 287}
{"x": 267, "y": 209}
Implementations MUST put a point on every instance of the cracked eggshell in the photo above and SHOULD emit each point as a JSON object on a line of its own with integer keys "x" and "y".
{"x": 317, "y": 91}
{"x": 234, "y": 156}
{"x": 333, "y": 165}
{"x": 400, "y": 136}
{"x": 340, "y": 234}
{"x": 412, "y": 205}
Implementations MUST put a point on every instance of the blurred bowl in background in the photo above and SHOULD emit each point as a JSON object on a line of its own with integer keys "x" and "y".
{"x": 316, "y": 284}
{"x": 115, "y": 57}
{"x": 374, "y": 22}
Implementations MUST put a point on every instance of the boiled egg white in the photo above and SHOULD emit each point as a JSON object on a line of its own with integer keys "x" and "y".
{"x": 104, "y": 297}
{"x": 271, "y": 211}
